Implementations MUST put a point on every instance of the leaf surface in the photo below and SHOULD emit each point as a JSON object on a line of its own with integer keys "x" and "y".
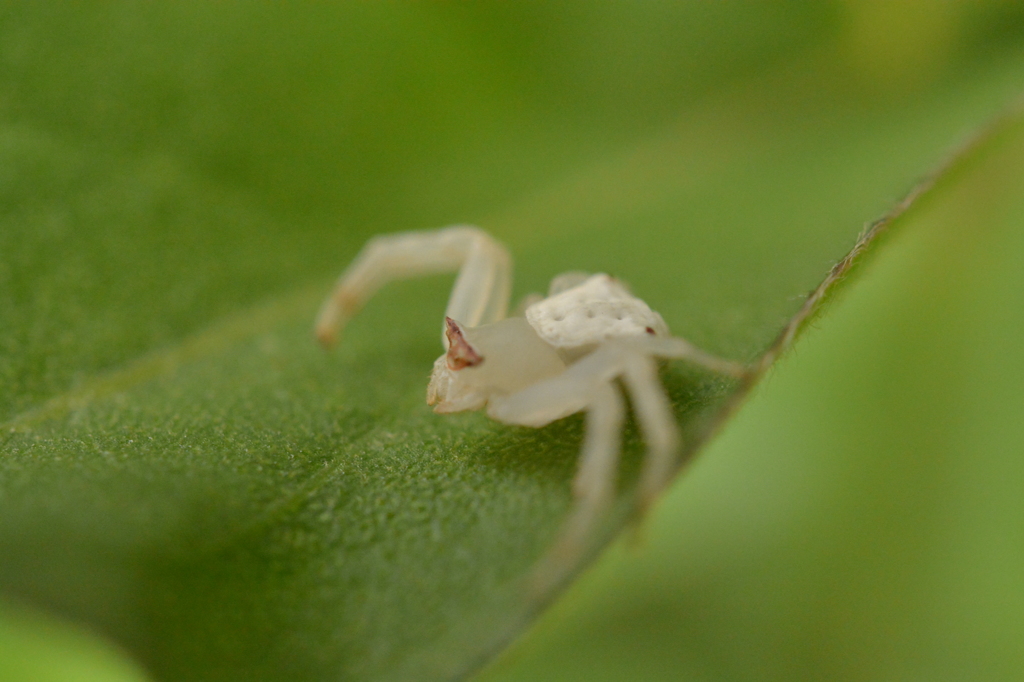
{"x": 186, "y": 472}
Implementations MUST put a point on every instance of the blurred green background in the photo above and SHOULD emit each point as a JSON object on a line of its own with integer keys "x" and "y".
{"x": 168, "y": 170}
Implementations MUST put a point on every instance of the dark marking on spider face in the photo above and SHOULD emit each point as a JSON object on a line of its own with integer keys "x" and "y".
{"x": 649, "y": 330}
{"x": 460, "y": 353}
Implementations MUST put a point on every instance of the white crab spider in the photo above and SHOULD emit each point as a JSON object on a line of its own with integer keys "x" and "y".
{"x": 561, "y": 356}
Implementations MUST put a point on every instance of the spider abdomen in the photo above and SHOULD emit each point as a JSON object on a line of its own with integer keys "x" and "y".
{"x": 598, "y": 309}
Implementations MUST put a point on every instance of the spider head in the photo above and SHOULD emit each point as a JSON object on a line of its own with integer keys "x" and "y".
{"x": 494, "y": 359}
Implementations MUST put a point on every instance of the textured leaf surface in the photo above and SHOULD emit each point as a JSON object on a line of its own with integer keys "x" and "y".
{"x": 186, "y": 472}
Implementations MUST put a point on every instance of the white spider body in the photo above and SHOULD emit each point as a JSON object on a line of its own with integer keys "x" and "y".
{"x": 563, "y": 355}
{"x": 522, "y": 351}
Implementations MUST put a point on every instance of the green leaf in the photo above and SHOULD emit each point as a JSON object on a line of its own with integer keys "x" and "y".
{"x": 184, "y": 471}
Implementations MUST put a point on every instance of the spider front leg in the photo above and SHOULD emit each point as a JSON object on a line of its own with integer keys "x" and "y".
{"x": 657, "y": 423}
{"x": 480, "y": 295}
{"x": 652, "y": 407}
{"x": 574, "y": 390}
{"x": 590, "y": 384}
{"x": 596, "y": 474}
